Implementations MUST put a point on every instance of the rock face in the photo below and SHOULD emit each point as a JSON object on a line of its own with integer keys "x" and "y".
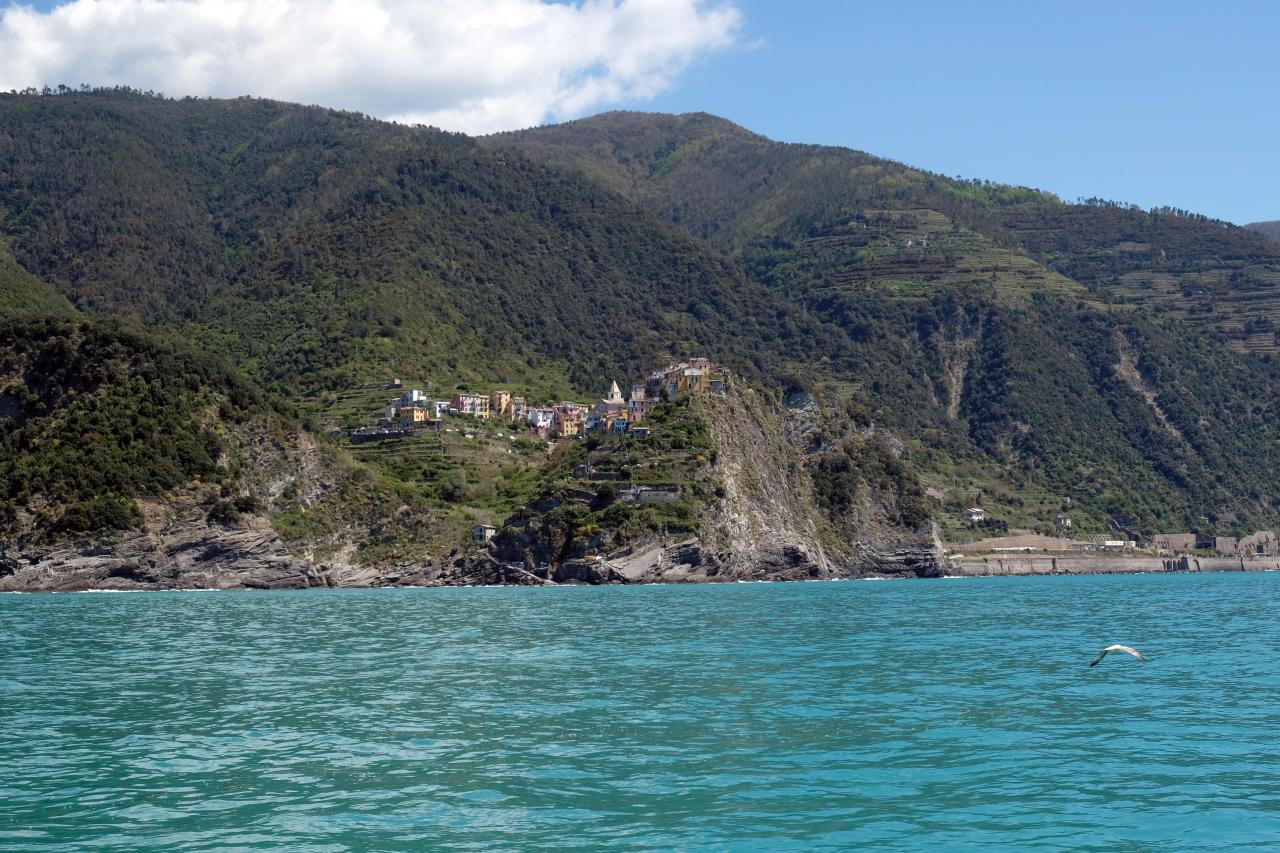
{"x": 692, "y": 562}
{"x": 184, "y": 556}
{"x": 769, "y": 525}
{"x": 181, "y": 547}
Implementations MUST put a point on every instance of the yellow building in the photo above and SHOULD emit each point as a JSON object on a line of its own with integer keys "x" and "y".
{"x": 567, "y": 422}
{"x": 413, "y": 416}
{"x": 500, "y": 404}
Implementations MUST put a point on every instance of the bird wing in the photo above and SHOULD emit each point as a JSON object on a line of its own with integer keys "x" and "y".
{"x": 1102, "y": 654}
{"x": 1131, "y": 651}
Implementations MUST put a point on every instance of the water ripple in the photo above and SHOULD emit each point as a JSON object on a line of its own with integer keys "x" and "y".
{"x": 908, "y": 715}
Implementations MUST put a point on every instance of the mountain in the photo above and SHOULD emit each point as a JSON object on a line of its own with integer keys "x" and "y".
{"x": 320, "y": 253}
{"x": 244, "y": 276}
{"x": 1271, "y": 229}
{"x": 870, "y": 222}
{"x": 1028, "y": 350}
{"x": 322, "y": 249}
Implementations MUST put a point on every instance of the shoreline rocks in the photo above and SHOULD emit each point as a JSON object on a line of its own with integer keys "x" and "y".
{"x": 204, "y": 555}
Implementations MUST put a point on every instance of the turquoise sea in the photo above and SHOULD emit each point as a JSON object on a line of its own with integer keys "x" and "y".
{"x": 912, "y": 715}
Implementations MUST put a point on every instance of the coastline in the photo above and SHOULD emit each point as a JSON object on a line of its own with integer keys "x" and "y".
{"x": 99, "y": 571}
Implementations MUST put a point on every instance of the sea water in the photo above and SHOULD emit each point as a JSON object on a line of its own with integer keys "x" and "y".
{"x": 952, "y": 714}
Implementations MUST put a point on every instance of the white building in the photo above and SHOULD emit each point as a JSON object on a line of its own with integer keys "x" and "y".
{"x": 540, "y": 416}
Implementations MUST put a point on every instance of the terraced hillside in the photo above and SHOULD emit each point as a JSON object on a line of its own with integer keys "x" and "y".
{"x": 912, "y": 253}
{"x": 750, "y": 196}
{"x": 1214, "y": 276}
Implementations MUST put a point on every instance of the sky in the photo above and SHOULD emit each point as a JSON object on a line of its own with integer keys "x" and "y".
{"x": 1152, "y": 103}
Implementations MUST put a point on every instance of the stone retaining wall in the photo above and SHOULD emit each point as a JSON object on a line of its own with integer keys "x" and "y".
{"x": 1067, "y": 564}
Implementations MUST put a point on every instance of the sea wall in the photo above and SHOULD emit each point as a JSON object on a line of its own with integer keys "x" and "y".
{"x": 1102, "y": 564}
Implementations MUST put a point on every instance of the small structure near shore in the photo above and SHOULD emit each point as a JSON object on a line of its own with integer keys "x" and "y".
{"x": 1260, "y": 544}
{"x": 1174, "y": 541}
{"x": 651, "y": 494}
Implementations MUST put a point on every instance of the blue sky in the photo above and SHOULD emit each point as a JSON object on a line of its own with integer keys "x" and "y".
{"x": 1153, "y": 103}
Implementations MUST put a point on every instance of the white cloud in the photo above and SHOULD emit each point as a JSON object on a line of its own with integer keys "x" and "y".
{"x": 470, "y": 65}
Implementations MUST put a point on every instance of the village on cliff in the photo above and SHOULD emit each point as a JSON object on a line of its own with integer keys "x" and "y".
{"x": 413, "y": 411}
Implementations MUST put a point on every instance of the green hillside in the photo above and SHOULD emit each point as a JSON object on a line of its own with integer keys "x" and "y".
{"x": 326, "y": 250}
{"x": 1005, "y": 343}
{"x": 747, "y": 194}
{"x": 22, "y": 294}
{"x": 96, "y": 413}
{"x": 1027, "y": 350}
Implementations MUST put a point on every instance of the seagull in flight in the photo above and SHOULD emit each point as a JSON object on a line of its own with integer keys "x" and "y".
{"x": 1117, "y": 648}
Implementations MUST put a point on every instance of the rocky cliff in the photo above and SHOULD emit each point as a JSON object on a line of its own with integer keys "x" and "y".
{"x": 770, "y": 523}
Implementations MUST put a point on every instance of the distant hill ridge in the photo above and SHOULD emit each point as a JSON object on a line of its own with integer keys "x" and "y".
{"x": 321, "y": 247}
{"x": 732, "y": 187}
{"x": 1271, "y": 229}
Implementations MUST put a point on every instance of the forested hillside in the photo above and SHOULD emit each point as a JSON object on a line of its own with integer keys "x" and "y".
{"x": 1029, "y": 350}
{"x": 323, "y": 249}
{"x": 1271, "y": 229}
{"x": 892, "y": 226}
{"x": 96, "y": 413}
{"x": 1014, "y": 350}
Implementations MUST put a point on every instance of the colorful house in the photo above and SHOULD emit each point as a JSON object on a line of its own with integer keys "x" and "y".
{"x": 540, "y": 417}
{"x": 471, "y": 404}
{"x": 413, "y": 397}
{"x": 412, "y": 416}
{"x": 695, "y": 376}
{"x": 500, "y": 404}
{"x": 568, "y": 420}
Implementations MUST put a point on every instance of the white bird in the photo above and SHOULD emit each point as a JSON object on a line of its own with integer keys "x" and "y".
{"x": 1117, "y": 648}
